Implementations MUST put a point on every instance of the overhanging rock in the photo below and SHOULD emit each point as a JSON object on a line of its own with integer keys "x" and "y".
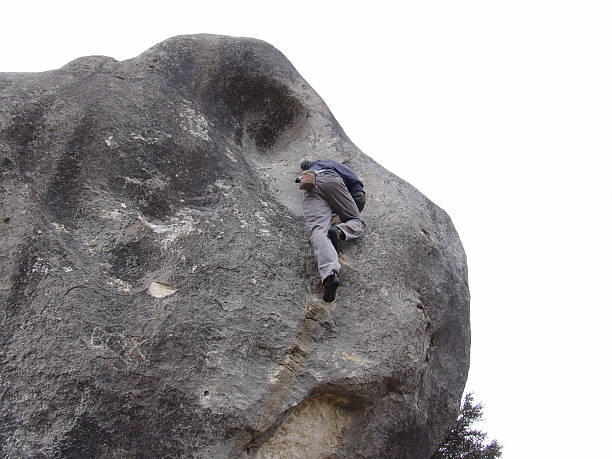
{"x": 159, "y": 296}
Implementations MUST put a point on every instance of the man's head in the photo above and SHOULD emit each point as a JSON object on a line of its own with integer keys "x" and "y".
{"x": 304, "y": 164}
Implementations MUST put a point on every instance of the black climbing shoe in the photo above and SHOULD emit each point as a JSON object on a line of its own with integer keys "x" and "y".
{"x": 331, "y": 284}
{"x": 334, "y": 236}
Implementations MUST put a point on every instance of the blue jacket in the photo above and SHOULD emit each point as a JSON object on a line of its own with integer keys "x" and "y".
{"x": 350, "y": 179}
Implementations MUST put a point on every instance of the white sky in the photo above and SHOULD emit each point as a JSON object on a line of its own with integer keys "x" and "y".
{"x": 500, "y": 112}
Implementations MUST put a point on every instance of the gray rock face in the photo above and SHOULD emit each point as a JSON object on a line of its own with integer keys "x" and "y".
{"x": 159, "y": 295}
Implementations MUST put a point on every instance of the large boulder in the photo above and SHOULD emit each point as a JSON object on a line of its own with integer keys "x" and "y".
{"x": 159, "y": 294}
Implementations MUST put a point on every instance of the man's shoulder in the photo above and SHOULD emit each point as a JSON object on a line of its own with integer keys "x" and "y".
{"x": 342, "y": 169}
{"x": 323, "y": 163}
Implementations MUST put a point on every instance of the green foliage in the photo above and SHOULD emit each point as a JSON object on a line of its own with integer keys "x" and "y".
{"x": 466, "y": 442}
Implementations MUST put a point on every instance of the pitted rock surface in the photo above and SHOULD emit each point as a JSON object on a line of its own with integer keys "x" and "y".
{"x": 159, "y": 295}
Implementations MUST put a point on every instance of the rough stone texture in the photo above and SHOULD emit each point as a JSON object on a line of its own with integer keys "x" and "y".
{"x": 159, "y": 296}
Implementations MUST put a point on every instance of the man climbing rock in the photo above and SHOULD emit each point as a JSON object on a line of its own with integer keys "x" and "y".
{"x": 337, "y": 189}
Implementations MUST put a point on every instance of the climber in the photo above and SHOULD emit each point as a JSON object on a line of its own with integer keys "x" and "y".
{"x": 336, "y": 188}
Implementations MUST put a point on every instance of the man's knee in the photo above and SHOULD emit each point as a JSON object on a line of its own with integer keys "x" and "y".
{"x": 318, "y": 235}
{"x": 353, "y": 228}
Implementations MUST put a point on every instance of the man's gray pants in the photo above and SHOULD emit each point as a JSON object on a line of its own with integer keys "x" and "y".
{"x": 329, "y": 195}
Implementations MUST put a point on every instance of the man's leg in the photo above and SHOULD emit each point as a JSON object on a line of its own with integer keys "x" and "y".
{"x": 344, "y": 205}
{"x": 317, "y": 215}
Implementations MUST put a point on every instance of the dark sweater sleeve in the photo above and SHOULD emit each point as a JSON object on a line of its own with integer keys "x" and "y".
{"x": 350, "y": 178}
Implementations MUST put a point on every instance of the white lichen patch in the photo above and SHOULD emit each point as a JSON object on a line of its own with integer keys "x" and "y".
{"x": 353, "y": 358}
{"x": 40, "y": 267}
{"x": 151, "y": 139}
{"x": 160, "y": 290}
{"x": 193, "y": 122}
{"x": 133, "y": 181}
{"x": 119, "y": 285}
{"x": 121, "y": 212}
{"x": 221, "y": 184}
{"x": 229, "y": 154}
{"x": 60, "y": 228}
{"x": 110, "y": 142}
{"x": 261, "y": 218}
{"x": 156, "y": 183}
{"x": 180, "y": 225}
